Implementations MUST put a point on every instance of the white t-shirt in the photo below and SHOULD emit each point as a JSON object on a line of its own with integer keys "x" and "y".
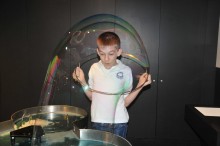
{"x": 117, "y": 79}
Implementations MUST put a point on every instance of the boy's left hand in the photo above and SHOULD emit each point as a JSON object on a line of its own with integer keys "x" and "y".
{"x": 143, "y": 79}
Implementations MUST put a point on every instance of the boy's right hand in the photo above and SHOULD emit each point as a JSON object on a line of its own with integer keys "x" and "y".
{"x": 79, "y": 73}
{"x": 143, "y": 78}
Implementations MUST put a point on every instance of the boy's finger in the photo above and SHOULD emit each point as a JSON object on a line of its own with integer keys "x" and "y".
{"x": 149, "y": 76}
{"x": 145, "y": 74}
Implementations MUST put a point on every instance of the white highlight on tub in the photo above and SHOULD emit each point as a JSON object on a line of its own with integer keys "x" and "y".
{"x": 209, "y": 111}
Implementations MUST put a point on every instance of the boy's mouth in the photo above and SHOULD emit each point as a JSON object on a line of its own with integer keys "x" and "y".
{"x": 107, "y": 63}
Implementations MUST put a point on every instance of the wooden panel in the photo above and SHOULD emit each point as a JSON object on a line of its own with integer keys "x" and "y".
{"x": 13, "y": 57}
{"x": 48, "y": 21}
{"x": 217, "y": 87}
{"x": 211, "y": 41}
{"x": 181, "y": 58}
{"x": 81, "y": 9}
{"x": 144, "y": 16}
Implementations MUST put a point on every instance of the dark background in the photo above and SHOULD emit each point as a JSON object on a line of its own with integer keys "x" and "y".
{"x": 180, "y": 37}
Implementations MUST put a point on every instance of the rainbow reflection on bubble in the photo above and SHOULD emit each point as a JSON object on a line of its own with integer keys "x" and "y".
{"x": 52, "y": 70}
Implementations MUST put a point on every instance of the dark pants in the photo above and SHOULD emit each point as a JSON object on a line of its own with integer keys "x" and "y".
{"x": 116, "y": 128}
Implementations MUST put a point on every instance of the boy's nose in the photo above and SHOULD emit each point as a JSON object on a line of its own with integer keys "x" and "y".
{"x": 106, "y": 57}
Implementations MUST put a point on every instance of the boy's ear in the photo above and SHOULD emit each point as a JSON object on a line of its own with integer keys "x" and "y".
{"x": 97, "y": 51}
{"x": 119, "y": 52}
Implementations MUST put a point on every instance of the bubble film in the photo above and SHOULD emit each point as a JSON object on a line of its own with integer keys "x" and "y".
{"x": 78, "y": 48}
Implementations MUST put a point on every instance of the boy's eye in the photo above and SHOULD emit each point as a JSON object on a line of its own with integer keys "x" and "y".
{"x": 111, "y": 54}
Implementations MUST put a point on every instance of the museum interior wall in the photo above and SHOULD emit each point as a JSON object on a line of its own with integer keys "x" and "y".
{"x": 180, "y": 38}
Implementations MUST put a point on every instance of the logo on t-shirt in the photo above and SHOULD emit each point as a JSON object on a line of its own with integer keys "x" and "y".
{"x": 119, "y": 75}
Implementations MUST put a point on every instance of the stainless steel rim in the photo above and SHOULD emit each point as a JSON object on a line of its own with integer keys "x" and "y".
{"x": 97, "y": 135}
{"x": 47, "y": 109}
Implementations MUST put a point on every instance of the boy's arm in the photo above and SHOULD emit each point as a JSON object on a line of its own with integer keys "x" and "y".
{"x": 87, "y": 92}
{"x": 79, "y": 73}
{"x": 130, "y": 98}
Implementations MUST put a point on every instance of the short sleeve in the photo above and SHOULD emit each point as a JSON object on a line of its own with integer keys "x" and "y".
{"x": 90, "y": 79}
{"x": 128, "y": 82}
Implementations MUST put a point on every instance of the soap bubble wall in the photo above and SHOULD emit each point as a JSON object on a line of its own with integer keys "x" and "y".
{"x": 78, "y": 48}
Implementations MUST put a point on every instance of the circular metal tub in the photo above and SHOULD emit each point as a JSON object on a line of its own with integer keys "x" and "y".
{"x": 72, "y": 130}
{"x": 55, "y": 115}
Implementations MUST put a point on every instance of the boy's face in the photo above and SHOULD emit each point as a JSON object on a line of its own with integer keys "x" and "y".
{"x": 108, "y": 56}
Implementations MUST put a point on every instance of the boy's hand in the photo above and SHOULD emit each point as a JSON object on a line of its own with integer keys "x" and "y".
{"x": 143, "y": 79}
{"x": 79, "y": 73}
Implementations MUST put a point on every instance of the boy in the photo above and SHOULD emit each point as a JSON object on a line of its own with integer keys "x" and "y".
{"x": 110, "y": 75}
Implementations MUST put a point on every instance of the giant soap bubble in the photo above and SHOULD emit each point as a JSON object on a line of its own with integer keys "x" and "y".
{"x": 78, "y": 48}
